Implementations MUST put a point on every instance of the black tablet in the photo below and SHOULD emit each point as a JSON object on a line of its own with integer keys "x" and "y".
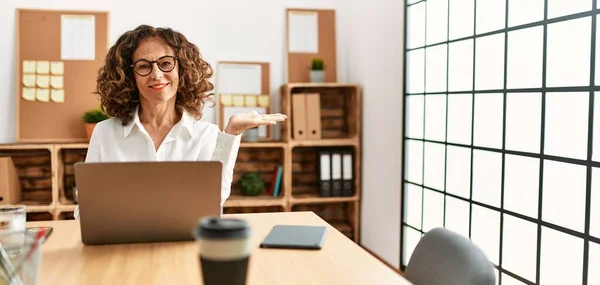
{"x": 295, "y": 237}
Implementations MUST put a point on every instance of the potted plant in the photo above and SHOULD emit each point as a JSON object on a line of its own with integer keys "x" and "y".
{"x": 90, "y": 119}
{"x": 317, "y": 73}
{"x": 252, "y": 184}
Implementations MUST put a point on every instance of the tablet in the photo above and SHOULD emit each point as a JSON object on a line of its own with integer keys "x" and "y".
{"x": 295, "y": 237}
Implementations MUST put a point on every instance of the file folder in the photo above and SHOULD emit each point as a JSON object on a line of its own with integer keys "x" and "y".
{"x": 347, "y": 174}
{"x": 299, "y": 116}
{"x": 336, "y": 174}
{"x": 313, "y": 116}
{"x": 324, "y": 173}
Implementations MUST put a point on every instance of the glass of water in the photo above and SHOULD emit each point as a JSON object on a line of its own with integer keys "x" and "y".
{"x": 12, "y": 219}
{"x": 20, "y": 263}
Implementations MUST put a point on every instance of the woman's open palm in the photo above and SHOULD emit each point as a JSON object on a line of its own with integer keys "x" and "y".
{"x": 240, "y": 122}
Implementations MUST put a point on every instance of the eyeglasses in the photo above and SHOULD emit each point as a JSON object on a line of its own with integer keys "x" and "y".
{"x": 144, "y": 67}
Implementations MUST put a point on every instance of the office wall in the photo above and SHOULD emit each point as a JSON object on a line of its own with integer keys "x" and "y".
{"x": 375, "y": 60}
{"x": 503, "y": 137}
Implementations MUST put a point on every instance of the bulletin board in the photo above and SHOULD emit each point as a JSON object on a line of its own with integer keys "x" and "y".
{"x": 58, "y": 55}
{"x": 310, "y": 34}
{"x": 243, "y": 86}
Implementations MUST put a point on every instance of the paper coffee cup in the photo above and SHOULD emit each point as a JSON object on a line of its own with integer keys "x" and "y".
{"x": 223, "y": 250}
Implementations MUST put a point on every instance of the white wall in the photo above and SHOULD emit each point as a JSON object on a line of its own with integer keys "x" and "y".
{"x": 369, "y": 42}
{"x": 375, "y": 60}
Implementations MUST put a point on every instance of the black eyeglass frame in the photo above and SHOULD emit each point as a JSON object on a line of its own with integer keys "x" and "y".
{"x": 175, "y": 60}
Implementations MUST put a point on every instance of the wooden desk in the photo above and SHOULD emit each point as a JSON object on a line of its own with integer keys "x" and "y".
{"x": 67, "y": 261}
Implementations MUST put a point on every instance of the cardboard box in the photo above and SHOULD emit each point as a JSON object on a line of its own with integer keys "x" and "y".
{"x": 10, "y": 186}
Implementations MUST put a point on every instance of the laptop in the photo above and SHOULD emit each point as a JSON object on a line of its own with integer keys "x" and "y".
{"x": 138, "y": 202}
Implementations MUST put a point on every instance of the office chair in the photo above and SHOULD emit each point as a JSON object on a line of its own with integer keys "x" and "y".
{"x": 443, "y": 257}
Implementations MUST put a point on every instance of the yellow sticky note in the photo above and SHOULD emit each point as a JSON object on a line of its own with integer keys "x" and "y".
{"x": 226, "y": 99}
{"x": 43, "y": 67}
{"x": 250, "y": 100}
{"x": 28, "y": 93}
{"x": 56, "y": 82}
{"x": 42, "y": 81}
{"x": 42, "y": 94}
{"x": 57, "y": 68}
{"x": 237, "y": 100}
{"x": 28, "y": 66}
{"x": 57, "y": 95}
{"x": 264, "y": 100}
{"x": 29, "y": 80}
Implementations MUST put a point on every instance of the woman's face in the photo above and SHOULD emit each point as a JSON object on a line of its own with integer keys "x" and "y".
{"x": 155, "y": 70}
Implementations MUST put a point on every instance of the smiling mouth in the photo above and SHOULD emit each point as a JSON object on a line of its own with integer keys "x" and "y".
{"x": 158, "y": 87}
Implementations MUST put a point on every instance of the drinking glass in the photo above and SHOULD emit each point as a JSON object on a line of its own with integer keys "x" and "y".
{"x": 20, "y": 263}
{"x": 12, "y": 217}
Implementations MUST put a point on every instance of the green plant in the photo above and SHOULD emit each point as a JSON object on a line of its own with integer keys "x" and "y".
{"x": 252, "y": 184}
{"x": 317, "y": 64}
{"x": 94, "y": 116}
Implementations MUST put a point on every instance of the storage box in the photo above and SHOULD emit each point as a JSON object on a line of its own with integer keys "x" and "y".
{"x": 10, "y": 186}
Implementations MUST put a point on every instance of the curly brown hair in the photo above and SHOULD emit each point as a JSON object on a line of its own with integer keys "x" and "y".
{"x": 116, "y": 86}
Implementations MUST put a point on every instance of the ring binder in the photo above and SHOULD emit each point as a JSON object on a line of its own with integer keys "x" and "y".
{"x": 325, "y": 173}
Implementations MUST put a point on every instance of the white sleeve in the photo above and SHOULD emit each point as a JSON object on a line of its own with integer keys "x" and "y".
{"x": 225, "y": 149}
{"x": 93, "y": 151}
{"x": 93, "y": 155}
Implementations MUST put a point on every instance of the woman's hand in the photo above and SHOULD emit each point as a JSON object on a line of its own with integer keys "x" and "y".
{"x": 242, "y": 121}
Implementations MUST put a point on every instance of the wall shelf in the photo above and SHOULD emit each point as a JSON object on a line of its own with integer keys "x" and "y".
{"x": 325, "y": 142}
{"x": 316, "y": 199}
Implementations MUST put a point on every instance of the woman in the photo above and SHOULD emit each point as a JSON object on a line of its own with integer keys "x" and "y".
{"x": 154, "y": 85}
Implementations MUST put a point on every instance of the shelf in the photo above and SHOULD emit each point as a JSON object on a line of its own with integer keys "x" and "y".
{"x": 25, "y": 146}
{"x": 325, "y": 142}
{"x": 306, "y": 166}
{"x": 262, "y": 144}
{"x": 316, "y": 199}
{"x": 339, "y": 108}
{"x": 263, "y": 161}
{"x": 253, "y": 209}
{"x": 319, "y": 85}
{"x": 33, "y": 208}
{"x": 254, "y": 201}
{"x": 66, "y": 208}
{"x": 72, "y": 146}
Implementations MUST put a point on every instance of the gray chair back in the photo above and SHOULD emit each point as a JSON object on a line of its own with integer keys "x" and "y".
{"x": 443, "y": 257}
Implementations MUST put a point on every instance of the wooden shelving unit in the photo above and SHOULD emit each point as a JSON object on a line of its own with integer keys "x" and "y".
{"x": 340, "y": 130}
{"x": 46, "y": 170}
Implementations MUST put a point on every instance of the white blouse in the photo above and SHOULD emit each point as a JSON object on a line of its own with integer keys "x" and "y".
{"x": 189, "y": 139}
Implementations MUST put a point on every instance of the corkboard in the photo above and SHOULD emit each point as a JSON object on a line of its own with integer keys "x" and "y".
{"x": 298, "y": 64}
{"x": 38, "y": 38}
{"x": 227, "y": 100}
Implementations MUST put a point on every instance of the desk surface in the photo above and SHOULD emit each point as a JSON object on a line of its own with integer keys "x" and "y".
{"x": 67, "y": 261}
